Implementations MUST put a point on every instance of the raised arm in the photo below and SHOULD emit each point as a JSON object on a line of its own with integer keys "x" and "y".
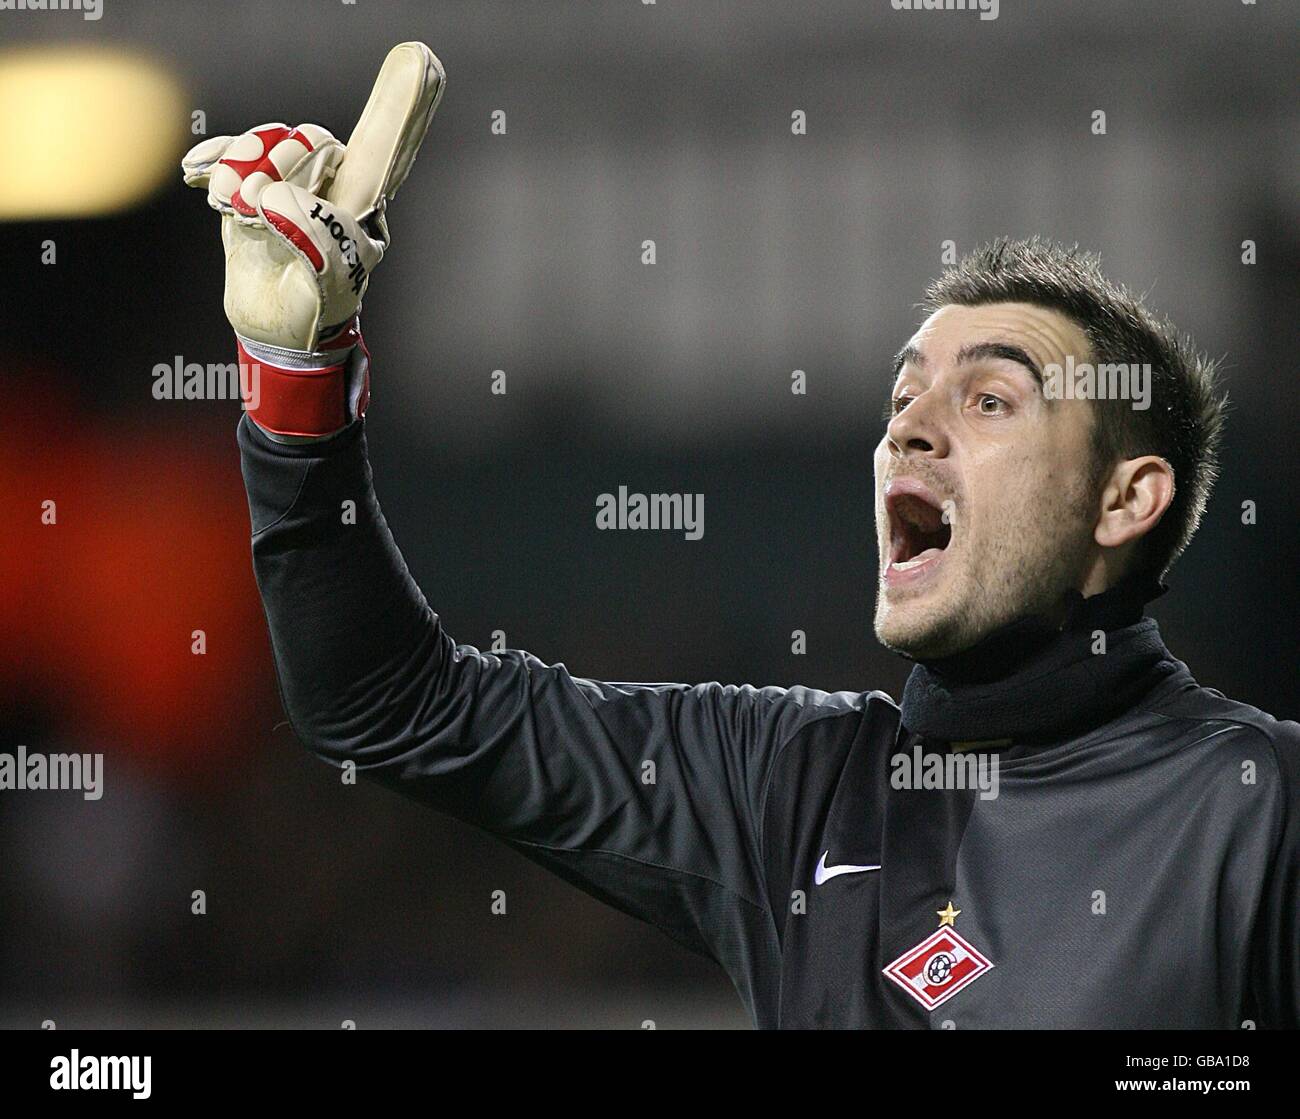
{"x": 649, "y": 796}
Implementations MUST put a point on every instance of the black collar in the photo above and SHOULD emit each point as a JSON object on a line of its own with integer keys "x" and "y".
{"x": 1032, "y": 680}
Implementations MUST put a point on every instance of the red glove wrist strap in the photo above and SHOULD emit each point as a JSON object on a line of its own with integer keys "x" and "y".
{"x": 303, "y": 402}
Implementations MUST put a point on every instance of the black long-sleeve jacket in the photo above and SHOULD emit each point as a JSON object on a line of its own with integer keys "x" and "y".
{"x": 1143, "y": 873}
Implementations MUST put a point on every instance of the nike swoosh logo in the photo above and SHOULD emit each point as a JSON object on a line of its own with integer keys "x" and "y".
{"x": 826, "y": 873}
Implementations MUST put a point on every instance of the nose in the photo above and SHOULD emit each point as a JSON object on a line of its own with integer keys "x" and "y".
{"x": 919, "y": 429}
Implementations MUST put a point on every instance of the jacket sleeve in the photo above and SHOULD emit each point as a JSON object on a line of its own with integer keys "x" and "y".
{"x": 648, "y": 796}
{"x": 1275, "y": 963}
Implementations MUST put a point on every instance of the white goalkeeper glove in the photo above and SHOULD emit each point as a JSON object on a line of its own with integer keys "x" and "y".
{"x": 303, "y": 222}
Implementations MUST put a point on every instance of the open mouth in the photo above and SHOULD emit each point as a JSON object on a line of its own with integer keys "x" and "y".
{"x": 920, "y": 529}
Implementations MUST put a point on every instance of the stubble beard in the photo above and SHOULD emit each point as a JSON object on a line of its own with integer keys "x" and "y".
{"x": 1014, "y": 569}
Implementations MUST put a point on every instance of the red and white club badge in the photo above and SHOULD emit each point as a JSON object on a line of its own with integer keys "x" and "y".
{"x": 940, "y": 966}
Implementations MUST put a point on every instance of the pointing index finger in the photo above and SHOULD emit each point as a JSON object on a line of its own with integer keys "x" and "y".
{"x": 392, "y": 127}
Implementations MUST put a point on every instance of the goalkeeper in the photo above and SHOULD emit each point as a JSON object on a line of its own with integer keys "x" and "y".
{"x": 1139, "y": 865}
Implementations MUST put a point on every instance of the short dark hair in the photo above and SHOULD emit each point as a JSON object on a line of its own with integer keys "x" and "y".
{"x": 1184, "y": 424}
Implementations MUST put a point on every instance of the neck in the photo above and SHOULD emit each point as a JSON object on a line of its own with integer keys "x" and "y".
{"x": 1034, "y": 679}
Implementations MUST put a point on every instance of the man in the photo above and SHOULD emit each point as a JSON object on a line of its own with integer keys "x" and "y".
{"x": 1056, "y": 828}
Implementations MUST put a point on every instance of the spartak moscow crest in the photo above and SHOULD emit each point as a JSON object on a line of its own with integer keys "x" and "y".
{"x": 941, "y": 965}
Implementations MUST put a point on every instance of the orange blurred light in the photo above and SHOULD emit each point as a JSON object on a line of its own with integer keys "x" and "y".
{"x": 150, "y": 544}
{"x": 84, "y": 131}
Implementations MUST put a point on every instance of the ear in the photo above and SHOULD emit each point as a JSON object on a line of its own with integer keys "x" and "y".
{"x": 1133, "y": 500}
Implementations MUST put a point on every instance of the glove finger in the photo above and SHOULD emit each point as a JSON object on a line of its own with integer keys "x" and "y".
{"x": 328, "y": 239}
{"x": 268, "y": 154}
{"x": 314, "y": 170}
{"x": 392, "y": 126}
{"x": 306, "y": 156}
{"x": 197, "y": 163}
{"x": 241, "y": 155}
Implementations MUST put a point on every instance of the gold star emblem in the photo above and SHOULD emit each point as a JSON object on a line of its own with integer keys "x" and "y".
{"x": 948, "y": 916}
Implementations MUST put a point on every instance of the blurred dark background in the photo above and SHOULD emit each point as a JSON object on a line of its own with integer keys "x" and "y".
{"x": 521, "y": 252}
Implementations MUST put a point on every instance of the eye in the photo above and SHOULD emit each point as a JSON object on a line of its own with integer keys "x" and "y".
{"x": 899, "y": 403}
{"x": 990, "y": 405}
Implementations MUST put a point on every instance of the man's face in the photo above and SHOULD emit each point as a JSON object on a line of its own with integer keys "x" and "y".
{"x": 983, "y": 502}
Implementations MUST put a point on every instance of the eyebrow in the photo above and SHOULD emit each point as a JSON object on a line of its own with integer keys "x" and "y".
{"x": 908, "y": 355}
{"x": 978, "y": 351}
